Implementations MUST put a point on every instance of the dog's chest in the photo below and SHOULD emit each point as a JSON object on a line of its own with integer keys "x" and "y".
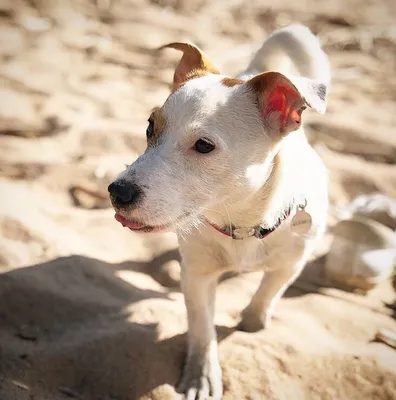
{"x": 255, "y": 254}
{"x": 248, "y": 257}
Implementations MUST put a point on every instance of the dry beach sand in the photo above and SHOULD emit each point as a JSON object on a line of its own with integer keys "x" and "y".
{"x": 91, "y": 311}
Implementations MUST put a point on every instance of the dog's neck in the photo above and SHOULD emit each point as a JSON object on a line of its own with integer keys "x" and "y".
{"x": 267, "y": 204}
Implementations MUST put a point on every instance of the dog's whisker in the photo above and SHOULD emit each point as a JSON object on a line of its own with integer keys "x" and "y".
{"x": 231, "y": 206}
{"x": 229, "y": 218}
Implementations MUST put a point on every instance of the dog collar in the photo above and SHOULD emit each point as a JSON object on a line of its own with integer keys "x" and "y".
{"x": 258, "y": 231}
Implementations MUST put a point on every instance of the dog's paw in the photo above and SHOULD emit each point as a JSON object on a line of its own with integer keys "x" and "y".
{"x": 199, "y": 381}
{"x": 250, "y": 325}
{"x": 253, "y": 323}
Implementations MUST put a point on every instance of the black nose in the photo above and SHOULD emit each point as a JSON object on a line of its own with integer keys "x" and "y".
{"x": 123, "y": 192}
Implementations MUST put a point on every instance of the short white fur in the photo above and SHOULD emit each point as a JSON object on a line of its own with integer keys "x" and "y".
{"x": 233, "y": 185}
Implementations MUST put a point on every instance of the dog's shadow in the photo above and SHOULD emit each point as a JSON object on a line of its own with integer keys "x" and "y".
{"x": 64, "y": 326}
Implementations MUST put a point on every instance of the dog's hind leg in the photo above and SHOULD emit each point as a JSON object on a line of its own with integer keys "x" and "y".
{"x": 257, "y": 315}
{"x": 202, "y": 374}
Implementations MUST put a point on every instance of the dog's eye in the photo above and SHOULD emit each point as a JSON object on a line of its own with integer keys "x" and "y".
{"x": 150, "y": 128}
{"x": 204, "y": 146}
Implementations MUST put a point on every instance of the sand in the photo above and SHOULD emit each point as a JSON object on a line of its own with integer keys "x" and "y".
{"x": 91, "y": 311}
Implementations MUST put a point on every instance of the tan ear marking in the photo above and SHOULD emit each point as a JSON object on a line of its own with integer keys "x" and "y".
{"x": 231, "y": 82}
{"x": 194, "y": 63}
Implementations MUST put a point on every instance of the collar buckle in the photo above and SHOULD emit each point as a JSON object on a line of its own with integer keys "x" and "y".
{"x": 242, "y": 233}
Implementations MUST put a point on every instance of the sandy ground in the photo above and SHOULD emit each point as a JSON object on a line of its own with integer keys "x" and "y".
{"x": 91, "y": 311}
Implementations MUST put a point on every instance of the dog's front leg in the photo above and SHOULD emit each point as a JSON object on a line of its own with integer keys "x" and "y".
{"x": 202, "y": 374}
{"x": 257, "y": 315}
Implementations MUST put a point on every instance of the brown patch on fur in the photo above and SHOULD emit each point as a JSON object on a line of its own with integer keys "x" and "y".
{"x": 231, "y": 82}
{"x": 193, "y": 64}
{"x": 196, "y": 73}
{"x": 158, "y": 120}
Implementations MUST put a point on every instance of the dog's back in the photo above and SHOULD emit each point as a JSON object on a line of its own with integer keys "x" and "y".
{"x": 292, "y": 50}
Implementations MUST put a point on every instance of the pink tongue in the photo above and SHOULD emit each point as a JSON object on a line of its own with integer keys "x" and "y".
{"x": 128, "y": 223}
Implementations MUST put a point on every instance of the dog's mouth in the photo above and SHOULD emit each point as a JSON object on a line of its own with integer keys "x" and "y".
{"x": 137, "y": 226}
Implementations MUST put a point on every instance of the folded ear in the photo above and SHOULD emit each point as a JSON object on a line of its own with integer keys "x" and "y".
{"x": 194, "y": 63}
{"x": 282, "y": 100}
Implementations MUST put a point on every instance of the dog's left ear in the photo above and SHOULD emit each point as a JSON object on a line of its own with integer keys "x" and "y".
{"x": 282, "y": 100}
{"x": 194, "y": 63}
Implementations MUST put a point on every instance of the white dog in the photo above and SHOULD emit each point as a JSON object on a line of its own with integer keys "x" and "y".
{"x": 229, "y": 168}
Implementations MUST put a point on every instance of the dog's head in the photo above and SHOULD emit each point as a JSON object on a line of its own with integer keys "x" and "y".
{"x": 213, "y": 141}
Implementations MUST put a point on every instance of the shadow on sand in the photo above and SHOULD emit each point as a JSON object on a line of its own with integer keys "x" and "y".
{"x": 65, "y": 330}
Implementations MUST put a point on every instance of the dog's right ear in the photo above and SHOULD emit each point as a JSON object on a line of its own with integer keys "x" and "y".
{"x": 281, "y": 100}
{"x": 193, "y": 64}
